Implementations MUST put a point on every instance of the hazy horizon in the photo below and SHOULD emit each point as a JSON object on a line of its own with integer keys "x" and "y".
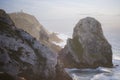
{"x": 61, "y": 16}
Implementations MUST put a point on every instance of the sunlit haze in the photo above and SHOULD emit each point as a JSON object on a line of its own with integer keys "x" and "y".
{"x": 62, "y": 15}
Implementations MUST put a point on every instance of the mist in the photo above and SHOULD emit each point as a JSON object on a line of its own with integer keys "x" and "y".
{"x": 62, "y": 16}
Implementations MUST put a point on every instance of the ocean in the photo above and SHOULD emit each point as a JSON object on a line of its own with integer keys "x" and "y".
{"x": 101, "y": 73}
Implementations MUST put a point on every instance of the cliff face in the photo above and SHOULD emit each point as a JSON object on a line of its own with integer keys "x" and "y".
{"x": 22, "y": 56}
{"x": 88, "y": 48}
{"x": 30, "y": 24}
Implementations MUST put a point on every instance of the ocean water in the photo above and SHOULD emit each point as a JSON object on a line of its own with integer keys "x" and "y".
{"x": 100, "y": 73}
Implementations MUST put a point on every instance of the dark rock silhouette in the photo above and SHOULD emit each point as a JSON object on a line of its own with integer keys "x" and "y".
{"x": 6, "y": 76}
{"x": 23, "y": 57}
{"x": 88, "y": 47}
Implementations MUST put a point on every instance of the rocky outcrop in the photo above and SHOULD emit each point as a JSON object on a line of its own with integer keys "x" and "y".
{"x": 22, "y": 57}
{"x": 5, "y": 18}
{"x": 31, "y": 25}
{"x": 88, "y": 47}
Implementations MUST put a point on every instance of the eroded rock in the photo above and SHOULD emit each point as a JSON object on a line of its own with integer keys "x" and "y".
{"x": 22, "y": 56}
{"x": 88, "y": 47}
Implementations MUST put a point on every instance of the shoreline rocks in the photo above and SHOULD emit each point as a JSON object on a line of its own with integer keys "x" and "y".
{"x": 23, "y": 57}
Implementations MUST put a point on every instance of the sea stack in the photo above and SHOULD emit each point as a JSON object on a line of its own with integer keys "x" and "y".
{"x": 88, "y": 47}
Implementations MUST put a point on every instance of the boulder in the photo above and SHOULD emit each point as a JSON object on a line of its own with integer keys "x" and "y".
{"x": 88, "y": 47}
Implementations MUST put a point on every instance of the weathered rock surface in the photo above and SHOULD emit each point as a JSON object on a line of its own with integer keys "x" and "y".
{"x": 31, "y": 25}
{"x": 22, "y": 56}
{"x": 88, "y": 48}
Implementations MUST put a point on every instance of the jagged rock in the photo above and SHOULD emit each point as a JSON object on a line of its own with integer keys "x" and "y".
{"x": 31, "y": 25}
{"x": 88, "y": 48}
{"x": 22, "y": 56}
{"x": 5, "y": 18}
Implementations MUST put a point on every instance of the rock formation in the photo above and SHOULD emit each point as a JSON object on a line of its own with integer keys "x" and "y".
{"x": 31, "y": 25}
{"x": 22, "y": 56}
{"x": 88, "y": 47}
{"x": 53, "y": 37}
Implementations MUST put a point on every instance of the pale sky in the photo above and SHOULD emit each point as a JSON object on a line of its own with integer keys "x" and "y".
{"x": 62, "y": 15}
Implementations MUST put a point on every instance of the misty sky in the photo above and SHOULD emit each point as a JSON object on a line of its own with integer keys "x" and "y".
{"x": 62, "y": 15}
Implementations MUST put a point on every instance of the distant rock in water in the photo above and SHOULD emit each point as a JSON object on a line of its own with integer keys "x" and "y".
{"x": 53, "y": 37}
{"x": 88, "y": 48}
{"x": 31, "y": 25}
{"x": 22, "y": 56}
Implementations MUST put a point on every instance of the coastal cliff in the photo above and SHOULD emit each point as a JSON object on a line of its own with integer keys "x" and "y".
{"x": 31, "y": 25}
{"x": 22, "y": 57}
